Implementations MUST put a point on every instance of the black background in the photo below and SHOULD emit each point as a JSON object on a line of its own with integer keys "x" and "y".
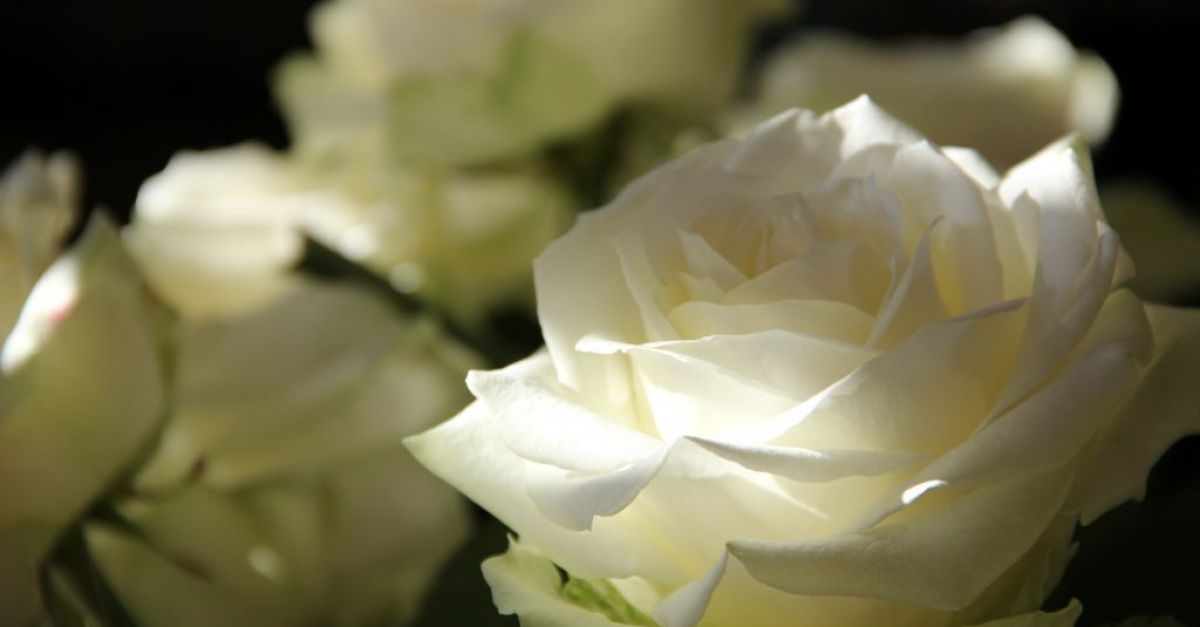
{"x": 126, "y": 83}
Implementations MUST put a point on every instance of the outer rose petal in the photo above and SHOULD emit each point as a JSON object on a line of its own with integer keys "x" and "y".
{"x": 469, "y": 453}
{"x": 82, "y": 392}
{"x": 1078, "y": 259}
{"x": 1164, "y": 408}
{"x": 342, "y": 547}
{"x": 1062, "y": 618}
{"x": 254, "y": 403}
{"x": 38, "y": 203}
{"x": 1005, "y": 91}
{"x": 943, "y": 558}
{"x": 525, "y": 583}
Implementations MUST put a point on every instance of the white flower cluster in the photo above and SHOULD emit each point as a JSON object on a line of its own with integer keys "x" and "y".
{"x": 809, "y": 363}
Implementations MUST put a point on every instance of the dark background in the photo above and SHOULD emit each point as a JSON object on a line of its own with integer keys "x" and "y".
{"x": 126, "y": 83}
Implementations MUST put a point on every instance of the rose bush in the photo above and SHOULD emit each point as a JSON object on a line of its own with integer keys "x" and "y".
{"x": 1005, "y": 92}
{"x": 830, "y": 373}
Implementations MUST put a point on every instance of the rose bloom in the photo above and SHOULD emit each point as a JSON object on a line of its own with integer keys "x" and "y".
{"x": 477, "y": 81}
{"x": 278, "y": 492}
{"x": 220, "y": 231}
{"x": 829, "y": 374}
{"x": 82, "y": 378}
{"x": 1005, "y": 91}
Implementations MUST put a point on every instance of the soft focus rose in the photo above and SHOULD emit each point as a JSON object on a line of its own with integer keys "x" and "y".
{"x": 38, "y": 203}
{"x": 485, "y": 80}
{"x": 1005, "y": 92}
{"x": 81, "y": 377}
{"x": 279, "y": 493}
{"x": 830, "y": 373}
{"x": 220, "y": 231}
{"x": 1159, "y": 234}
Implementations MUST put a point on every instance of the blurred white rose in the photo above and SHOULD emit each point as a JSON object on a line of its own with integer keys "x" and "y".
{"x": 485, "y": 80}
{"x": 220, "y": 231}
{"x": 1160, "y": 235}
{"x": 81, "y": 376}
{"x": 38, "y": 205}
{"x": 830, "y": 373}
{"x": 279, "y": 493}
{"x": 1005, "y": 92}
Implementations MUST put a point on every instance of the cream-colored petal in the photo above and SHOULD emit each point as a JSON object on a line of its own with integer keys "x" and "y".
{"x": 1053, "y": 424}
{"x": 1061, "y": 618}
{"x": 520, "y": 395}
{"x": 974, "y": 165}
{"x": 942, "y": 558}
{"x": 325, "y": 374}
{"x": 1005, "y": 91}
{"x": 926, "y": 394}
{"x": 796, "y": 365}
{"x": 329, "y": 115}
{"x": 541, "y": 92}
{"x": 807, "y": 464}
{"x": 574, "y": 500}
{"x": 1077, "y": 258}
{"x": 182, "y": 597}
{"x": 685, "y": 606}
{"x": 933, "y": 188}
{"x": 527, "y": 584}
{"x": 84, "y": 393}
{"x": 914, "y": 300}
{"x": 39, "y": 200}
{"x": 819, "y": 318}
{"x": 468, "y": 453}
{"x": 1164, "y": 407}
{"x": 686, "y": 395}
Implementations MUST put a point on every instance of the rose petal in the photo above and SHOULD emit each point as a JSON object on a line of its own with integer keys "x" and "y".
{"x": 924, "y": 395}
{"x": 684, "y": 395}
{"x": 469, "y": 453}
{"x": 793, "y": 364}
{"x": 818, "y": 318}
{"x": 1076, "y": 259}
{"x": 83, "y": 393}
{"x": 1052, "y": 425}
{"x": 685, "y": 606}
{"x": 1164, "y": 408}
{"x": 527, "y": 584}
{"x": 943, "y": 558}
{"x": 521, "y": 395}
{"x": 913, "y": 302}
{"x": 1062, "y": 618}
{"x": 807, "y": 464}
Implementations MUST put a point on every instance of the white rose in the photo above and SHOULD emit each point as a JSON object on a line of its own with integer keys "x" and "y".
{"x": 488, "y": 80}
{"x": 279, "y": 493}
{"x": 38, "y": 203}
{"x": 81, "y": 376}
{"x": 1005, "y": 92}
{"x": 827, "y": 374}
{"x": 219, "y": 232}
